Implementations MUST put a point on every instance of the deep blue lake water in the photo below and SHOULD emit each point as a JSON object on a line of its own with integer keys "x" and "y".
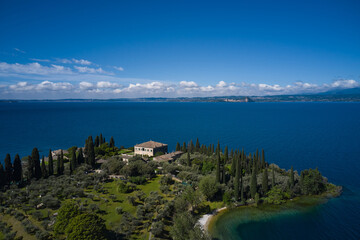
{"x": 303, "y": 135}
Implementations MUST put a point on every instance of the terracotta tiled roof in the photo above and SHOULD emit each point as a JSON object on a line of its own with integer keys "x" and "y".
{"x": 151, "y": 144}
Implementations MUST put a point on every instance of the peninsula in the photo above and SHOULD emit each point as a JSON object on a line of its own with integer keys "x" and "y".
{"x": 140, "y": 192}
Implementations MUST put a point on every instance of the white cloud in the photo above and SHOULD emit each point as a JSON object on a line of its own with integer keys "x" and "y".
{"x": 345, "y": 84}
{"x": 81, "y": 61}
{"x": 119, "y": 68}
{"x": 90, "y": 70}
{"x": 43, "y": 86}
{"x": 86, "y": 85}
{"x": 221, "y": 84}
{"x": 103, "y": 84}
{"x": 19, "y": 50}
{"x": 270, "y": 88}
{"x": 64, "y": 60}
{"x": 39, "y": 60}
{"x": 33, "y": 68}
{"x": 190, "y": 84}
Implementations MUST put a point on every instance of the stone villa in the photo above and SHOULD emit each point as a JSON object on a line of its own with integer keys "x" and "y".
{"x": 150, "y": 148}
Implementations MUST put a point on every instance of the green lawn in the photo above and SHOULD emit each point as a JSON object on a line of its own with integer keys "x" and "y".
{"x": 16, "y": 227}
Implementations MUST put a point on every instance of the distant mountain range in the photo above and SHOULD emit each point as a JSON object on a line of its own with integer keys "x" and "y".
{"x": 341, "y": 95}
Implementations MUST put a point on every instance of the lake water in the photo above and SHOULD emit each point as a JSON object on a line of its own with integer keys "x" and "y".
{"x": 303, "y": 135}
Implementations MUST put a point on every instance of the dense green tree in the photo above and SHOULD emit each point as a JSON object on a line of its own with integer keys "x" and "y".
{"x": 188, "y": 159}
{"x": 208, "y": 186}
{"x": 50, "y": 164}
{"x": 253, "y": 182}
{"x": 36, "y": 160}
{"x": 185, "y": 227}
{"x": 67, "y": 211}
{"x": 17, "y": 174}
{"x": 191, "y": 146}
{"x": 178, "y": 147}
{"x": 265, "y": 184}
{"x": 44, "y": 172}
{"x": 73, "y": 161}
{"x": 90, "y": 152}
{"x": 112, "y": 142}
{"x": 58, "y": 165}
{"x": 226, "y": 154}
{"x": 312, "y": 182}
{"x": 184, "y": 149}
{"x": 101, "y": 139}
{"x": 30, "y": 168}
{"x": 273, "y": 178}
{"x": 237, "y": 177}
{"x": 2, "y": 176}
{"x": 86, "y": 226}
{"x": 242, "y": 164}
{"x": 233, "y": 165}
{"x": 97, "y": 141}
{"x": 80, "y": 157}
{"x": 8, "y": 169}
{"x": 62, "y": 165}
{"x": 157, "y": 228}
{"x": 232, "y": 153}
{"x": 263, "y": 164}
{"x": 197, "y": 145}
{"x": 292, "y": 182}
{"x": 217, "y": 148}
{"x": 218, "y": 167}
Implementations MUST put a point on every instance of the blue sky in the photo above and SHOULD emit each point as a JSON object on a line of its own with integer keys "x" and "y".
{"x": 114, "y": 49}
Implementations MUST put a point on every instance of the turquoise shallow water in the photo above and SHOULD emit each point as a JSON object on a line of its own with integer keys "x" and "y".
{"x": 300, "y": 134}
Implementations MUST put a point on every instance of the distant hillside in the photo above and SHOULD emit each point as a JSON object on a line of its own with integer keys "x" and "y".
{"x": 352, "y": 91}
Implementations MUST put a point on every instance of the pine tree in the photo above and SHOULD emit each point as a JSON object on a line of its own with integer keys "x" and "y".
{"x": 43, "y": 168}
{"x": 188, "y": 159}
{"x": 265, "y": 185}
{"x": 90, "y": 157}
{"x": 253, "y": 183}
{"x": 2, "y": 176}
{"x": 197, "y": 145}
{"x": 292, "y": 182}
{"x": 8, "y": 169}
{"x": 17, "y": 175}
{"x": 177, "y": 146}
{"x": 36, "y": 160}
{"x": 50, "y": 164}
{"x": 73, "y": 161}
{"x": 218, "y": 168}
{"x": 112, "y": 142}
{"x": 273, "y": 178}
{"x": 237, "y": 177}
{"x": 80, "y": 157}
{"x": 97, "y": 141}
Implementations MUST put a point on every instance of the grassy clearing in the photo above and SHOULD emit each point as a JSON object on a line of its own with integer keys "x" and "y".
{"x": 16, "y": 227}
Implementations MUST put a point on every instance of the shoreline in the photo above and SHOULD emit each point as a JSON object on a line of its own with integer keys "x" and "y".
{"x": 205, "y": 219}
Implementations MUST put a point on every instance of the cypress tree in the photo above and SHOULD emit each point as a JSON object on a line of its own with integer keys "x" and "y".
{"x": 273, "y": 178}
{"x": 36, "y": 160}
{"x": 97, "y": 141}
{"x": 232, "y": 153}
{"x": 101, "y": 139}
{"x": 188, "y": 159}
{"x": 217, "y": 149}
{"x": 223, "y": 175}
{"x": 58, "y": 165}
{"x": 50, "y": 164}
{"x": 2, "y": 175}
{"x": 62, "y": 167}
{"x": 265, "y": 185}
{"x": 191, "y": 146}
{"x": 226, "y": 154}
{"x": 80, "y": 157}
{"x": 197, "y": 145}
{"x": 233, "y": 165}
{"x": 177, "y": 147}
{"x": 8, "y": 169}
{"x": 17, "y": 175}
{"x": 30, "y": 168}
{"x": 218, "y": 168}
{"x": 237, "y": 177}
{"x": 73, "y": 161}
{"x": 253, "y": 183}
{"x": 263, "y": 164}
{"x": 90, "y": 158}
{"x": 112, "y": 142}
{"x": 43, "y": 168}
{"x": 292, "y": 182}
{"x": 184, "y": 147}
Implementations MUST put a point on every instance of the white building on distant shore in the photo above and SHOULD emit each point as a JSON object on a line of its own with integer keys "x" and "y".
{"x": 150, "y": 148}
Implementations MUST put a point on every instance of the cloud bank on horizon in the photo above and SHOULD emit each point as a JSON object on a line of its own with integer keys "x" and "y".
{"x": 80, "y": 78}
